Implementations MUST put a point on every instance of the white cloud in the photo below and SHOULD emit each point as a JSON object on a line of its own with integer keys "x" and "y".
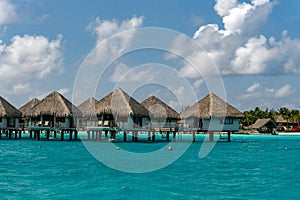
{"x": 28, "y": 57}
{"x": 8, "y": 12}
{"x": 237, "y": 48}
{"x": 198, "y": 83}
{"x": 253, "y": 88}
{"x": 284, "y": 91}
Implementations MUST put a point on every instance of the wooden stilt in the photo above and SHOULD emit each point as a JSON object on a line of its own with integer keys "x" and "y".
{"x": 125, "y": 136}
{"x": 89, "y": 135}
{"x": 174, "y": 136}
{"x": 38, "y": 135}
{"x": 105, "y": 133}
{"x": 136, "y": 136}
{"x": 30, "y": 134}
{"x": 211, "y": 136}
{"x": 228, "y": 137}
{"x": 47, "y": 134}
{"x": 93, "y": 135}
{"x": 194, "y": 137}
{"x": 16, "y": 134}
{"x": 133, "y": 136}
{"x": 20, "y": 134}
{"x": 75, "y": 135}
{"x": 153, "y": 136}
{"x": 62, "y": 135}
{"x": 71, "y": 133}
{"x": 54, "y": 134}
{"x": 168, "y": 136}
{"x": 149, "y": 136}
{"x": 99, "y": 136}
{"x": 9, "y": 134}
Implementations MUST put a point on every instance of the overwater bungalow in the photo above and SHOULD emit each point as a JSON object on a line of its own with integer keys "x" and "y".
{"x": 25, "y": 121}
{"x": 54, "y": 111}
{"x": 211, "y": 114}
{"x": 89, "y": 116}
{"x": 9, "y": 115}
{"x": 118, "y": 109}
{"x": 163, "y": 117}
{"x": 264, "y": 125}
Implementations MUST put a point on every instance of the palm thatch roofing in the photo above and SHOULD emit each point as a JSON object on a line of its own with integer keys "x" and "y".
{"x": 54, "y": 104}
{"x": 29, "y": 105}
{"x": 211, "y": 106}
{"x": 279, "y": 119}
{"x": 263, "y": 122}
{"x": 8, "y": 110}
{"x": 119, "y": 103}
{"x": 158, "y": 109}
{"x": 88, "y": 107}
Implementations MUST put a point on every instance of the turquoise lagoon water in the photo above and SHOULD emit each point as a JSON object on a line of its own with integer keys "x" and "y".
{"x": 250, "y": 167}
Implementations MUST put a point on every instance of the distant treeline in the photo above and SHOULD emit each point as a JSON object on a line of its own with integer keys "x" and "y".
{"x": 292, "y": 116}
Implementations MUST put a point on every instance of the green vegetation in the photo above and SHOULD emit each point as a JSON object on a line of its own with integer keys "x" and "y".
{"x": 292, "y": 116}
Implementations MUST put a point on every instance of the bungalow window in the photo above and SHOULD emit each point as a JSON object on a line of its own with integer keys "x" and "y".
{"x": 138, "y": 122}
{"x": 226, "y": 121}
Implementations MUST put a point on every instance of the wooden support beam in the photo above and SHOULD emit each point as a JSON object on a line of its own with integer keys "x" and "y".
{"x": 9, "y": 134}
{"x": 30, "y": 134}
{"x": 211, "y": 136}
{"x": 174, "y": 136}
{"x": 125, "y": 136}
{"x": 62, "y": 135}
{"x": 194, "y": 136}
{"x": 75, "y": 135}
{"x": 16, "y": 134}
{"x": 149, "y": 135}
{"x": 71, "y": 133}
{"x": 89, "y": 135}
{"x": 47, "y": 135}
{"x": 20, "y": 134}
{"x": 54, "y": 134}
{"x": 99, "y": 136}
{"x": 168, "y": 136}
{"x": 133, "y": 136}
{"x": 228, "y": 137}
{"x": 153, "y": 136}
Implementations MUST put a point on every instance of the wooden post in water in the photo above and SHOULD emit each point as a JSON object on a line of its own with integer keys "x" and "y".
{"x": 153, "y": 136}
{"x": 89, "y": 135}
{"x": 125, "y": 136}
{"x": 149, "y": 135}
{"x": 194, "y": 136}
{"x": 93, "y": 135}
{"x": 132, "y": 134}
{"x": 211, "y": 136}
{"x": 168, "y": 135}
{"x": 174, "y": 136}
{"x": 9, "y": 134}
{"x": 75, "y": 135}
{"x": 30, "y": 134}
{"x": 99, "y": 135}
{"x": 228, "y": 136}
{"x": 20, "y": 134}
{"x": 71, "y": 133}
{"x": 38, "y": 135}
{"x": 62, "y": 135}
{"x": 54, "y": 135}
{"x": 47, "y": 134}
{"x": 16, "y": 134}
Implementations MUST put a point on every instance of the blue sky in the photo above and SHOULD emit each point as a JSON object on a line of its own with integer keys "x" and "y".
{"x": 255, "y": 44}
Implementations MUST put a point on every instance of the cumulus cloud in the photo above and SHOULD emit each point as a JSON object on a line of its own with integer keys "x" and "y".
{"x": 284, "y": 91}
{"x": 237, "y": 48}
{"x": 253, "y": 88}
{"x": 29, "y": 56}
{"x": 8, "y": 12}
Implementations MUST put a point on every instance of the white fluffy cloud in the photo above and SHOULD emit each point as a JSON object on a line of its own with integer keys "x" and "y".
{"x": 29, "y": 56}
{"x": 7, "y": 12}
{"x": 253, "y": 88}
{"x": 238, "y": 49}
{"x": 284, "y": 91}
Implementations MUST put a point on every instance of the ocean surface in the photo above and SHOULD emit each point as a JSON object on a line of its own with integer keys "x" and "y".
{"x": 249, "y": 167}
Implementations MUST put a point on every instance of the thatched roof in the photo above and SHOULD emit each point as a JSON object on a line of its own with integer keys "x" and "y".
{"x": 28, "y": 106}
{"x": 119, "y": 103}
{"x": 8, "y": 110}
{"x": 263, "y": 122}
{"x": 88, "y": 107}
{"x": 54, "y": 104}
{"x": 211, "y": 106}
{"x": 158, "y": 109}
{"x": 279, "y": 119}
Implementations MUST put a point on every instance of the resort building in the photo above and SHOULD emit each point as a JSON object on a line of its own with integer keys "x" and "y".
{"x": 264, "y": 125}
{"x": 9, "y": 115}
{"x": 211, "y": 114}
{"x": 54, "y": 111}
{"x": 118, "y": 109}
{"x": 162, "y": 117}
{"x": 89, "y": 116}
{"x": 27, "y": 121}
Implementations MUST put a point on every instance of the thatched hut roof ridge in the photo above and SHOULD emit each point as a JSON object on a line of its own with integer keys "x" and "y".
{"x": 55, "y": 104}
{"x": 119, "y": 103}
{"x": 29, "y": 105}
{"x": 88, "y": 107}
{"x": 8, "y": 110}
{"x": 212, "y": 106}
{"x": 159, "y": 109}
